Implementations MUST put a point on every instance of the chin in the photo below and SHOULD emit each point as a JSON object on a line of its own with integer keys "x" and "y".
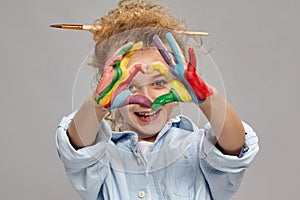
{"x": 144, "y": 122}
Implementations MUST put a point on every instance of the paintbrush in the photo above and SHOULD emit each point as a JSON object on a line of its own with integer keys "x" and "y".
{"x": 92, "y": 28}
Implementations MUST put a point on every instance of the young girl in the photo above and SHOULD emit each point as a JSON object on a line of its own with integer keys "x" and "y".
{"x": 123, "y": 143}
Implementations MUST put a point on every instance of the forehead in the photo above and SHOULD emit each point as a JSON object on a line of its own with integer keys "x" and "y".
{"x": 147, "y": 78}
{"x": 146, "y": 56}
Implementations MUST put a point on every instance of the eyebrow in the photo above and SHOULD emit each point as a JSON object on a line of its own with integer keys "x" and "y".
{"x": 158, "y": 75}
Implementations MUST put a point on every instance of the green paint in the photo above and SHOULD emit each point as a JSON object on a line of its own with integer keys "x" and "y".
{"x": 172, "y": 96}
{"x": 118, "y": 74}
{"x": 125, "y": 49}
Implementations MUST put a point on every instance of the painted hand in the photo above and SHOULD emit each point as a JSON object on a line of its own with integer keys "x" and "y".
{"x": 189, "y": 87}
{"x": 112, "y": 90}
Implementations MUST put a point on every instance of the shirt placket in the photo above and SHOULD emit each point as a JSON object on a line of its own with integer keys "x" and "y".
{"x": 142, "y": 191}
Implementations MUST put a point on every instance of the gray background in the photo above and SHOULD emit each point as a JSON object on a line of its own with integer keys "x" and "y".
{"x": 257, "y": 47}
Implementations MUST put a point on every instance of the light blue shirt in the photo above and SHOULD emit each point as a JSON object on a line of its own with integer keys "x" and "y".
{"x": 182, "y": 164}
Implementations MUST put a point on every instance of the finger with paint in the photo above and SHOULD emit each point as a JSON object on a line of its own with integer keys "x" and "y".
{"x": 188, "y": 78}
{"x": 115, "y": 78}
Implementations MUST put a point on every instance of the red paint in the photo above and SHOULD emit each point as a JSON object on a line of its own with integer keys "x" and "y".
{"x": 201, "y": 90}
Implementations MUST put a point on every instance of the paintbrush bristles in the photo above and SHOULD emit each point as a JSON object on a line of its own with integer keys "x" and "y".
{"x": 92, "y": 28}
{"x": 68, "y": 26}
{"x": 55, "y": 25}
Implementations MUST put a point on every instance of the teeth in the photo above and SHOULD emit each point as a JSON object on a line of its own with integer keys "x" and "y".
{"x": 150, "y": 114}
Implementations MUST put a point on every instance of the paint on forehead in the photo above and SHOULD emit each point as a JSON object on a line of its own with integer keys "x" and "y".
{"x": 143, "y": 79}
{"x": 158, "y": 67}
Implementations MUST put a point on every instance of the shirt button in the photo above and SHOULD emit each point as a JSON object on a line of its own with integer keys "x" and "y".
{"x": 141, "y": 194}
{"x": 139, "y": 161}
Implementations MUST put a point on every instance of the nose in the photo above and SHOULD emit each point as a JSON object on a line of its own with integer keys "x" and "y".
{"x": 146, "y": 90}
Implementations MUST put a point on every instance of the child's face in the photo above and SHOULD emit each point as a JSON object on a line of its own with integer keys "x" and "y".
{"x": 145, "y": 122}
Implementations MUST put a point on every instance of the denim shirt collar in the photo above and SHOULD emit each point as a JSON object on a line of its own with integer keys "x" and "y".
{"x": 181, "y": 122}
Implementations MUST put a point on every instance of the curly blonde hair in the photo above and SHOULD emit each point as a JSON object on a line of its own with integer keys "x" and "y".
{"x": 132, "y": 14}
{"x": 131, "y": 21}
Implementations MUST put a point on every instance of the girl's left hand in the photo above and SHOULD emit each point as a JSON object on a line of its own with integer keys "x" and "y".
{"x": 193, "y": 83}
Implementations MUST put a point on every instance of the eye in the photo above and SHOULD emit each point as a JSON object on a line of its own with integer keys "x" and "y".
{"x": 132, "y": 88}
{"x": 160, "y": 83}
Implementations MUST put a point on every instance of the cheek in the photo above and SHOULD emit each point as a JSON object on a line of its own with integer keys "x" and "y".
{"x": 162, "y": 91}
{"x": 170, "y": 106}
{"x": 125, "y": 111}
{"x": 173, "y": 109}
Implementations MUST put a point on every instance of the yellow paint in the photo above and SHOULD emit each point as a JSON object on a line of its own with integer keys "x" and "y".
{"x": 179, "y": 87}
{"x": 125, "y": 72}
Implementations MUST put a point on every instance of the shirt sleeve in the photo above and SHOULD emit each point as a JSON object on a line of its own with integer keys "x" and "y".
{"x": 86, "y": 167}
{"x": 224, "y": 172}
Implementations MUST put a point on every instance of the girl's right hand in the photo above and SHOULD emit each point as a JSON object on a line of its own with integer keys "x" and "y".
{"x": 112, "y": 90}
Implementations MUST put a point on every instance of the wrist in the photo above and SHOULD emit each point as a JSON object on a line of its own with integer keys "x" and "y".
{"x": 208, "y": 101}
{"x": 91, "y": 105}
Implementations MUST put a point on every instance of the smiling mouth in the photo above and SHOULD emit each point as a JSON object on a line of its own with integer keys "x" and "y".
{"x": 147, "y": 115}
